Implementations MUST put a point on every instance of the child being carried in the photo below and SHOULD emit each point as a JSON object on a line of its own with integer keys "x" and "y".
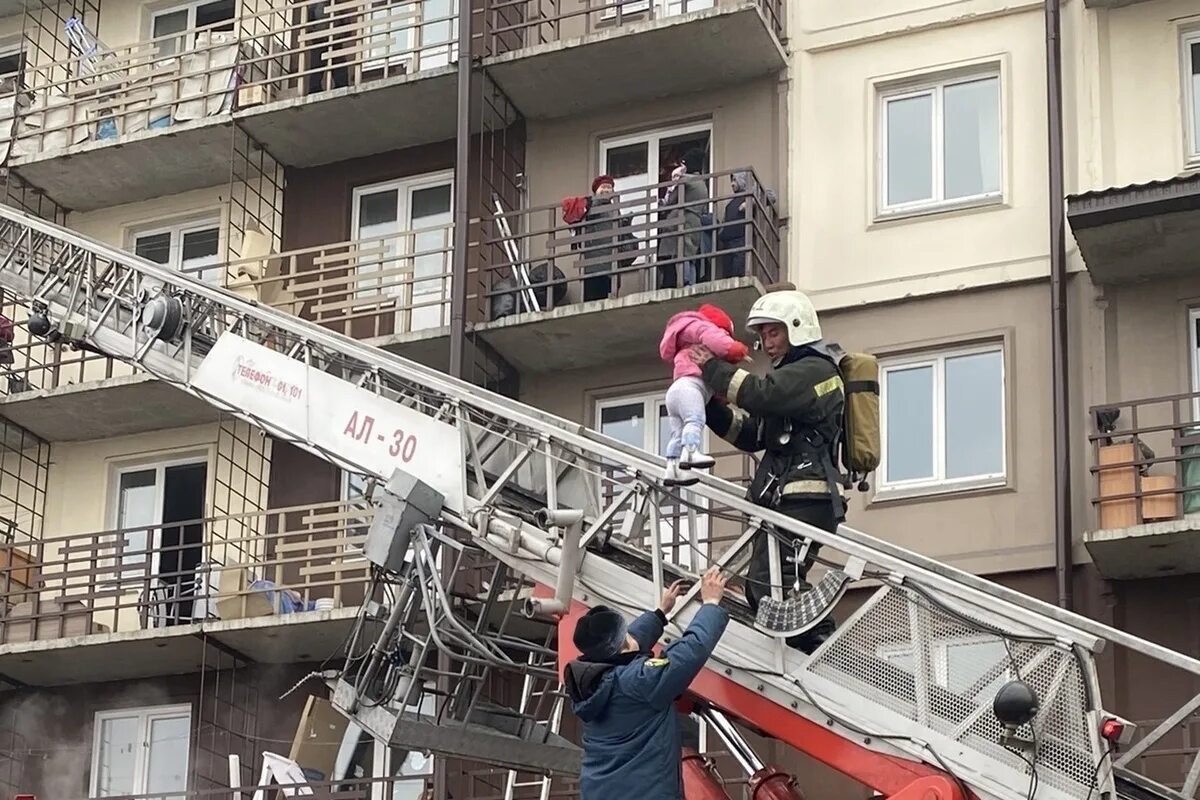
{"x": 711, "y": 327}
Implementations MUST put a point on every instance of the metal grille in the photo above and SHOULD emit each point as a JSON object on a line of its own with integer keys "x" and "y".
{"x": 940, "y": 669}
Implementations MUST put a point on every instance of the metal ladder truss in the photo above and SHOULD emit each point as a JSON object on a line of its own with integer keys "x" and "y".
{"x": 911, "y": 674}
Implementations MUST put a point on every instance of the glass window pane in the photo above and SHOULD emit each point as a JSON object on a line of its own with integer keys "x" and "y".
{"x": 200, "y": 250}
{"x": 909, "y": 402}
{"x": 117, "y": 757}
{"x": 137, "y": 505}
{"x": 971, "y": 113}
{"x": 1195, "y": 89}
{"x": 909, "y": 149}
{"x": 629, "y": 160}
{"x": 212, "y": 13}
{"x": 378, "y": 209}
{"x": 166, "y": 769}
{"x": 974, "y": 415}
{"x": 430, "y": 201}
{"x": 625, "y": 423}
{"x": 155, "y": 247}
{"x": 173, "y": 22}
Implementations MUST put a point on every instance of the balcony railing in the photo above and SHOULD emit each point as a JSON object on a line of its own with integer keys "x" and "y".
{"x": 265, "y": 563}
{"x": 536, "y": 261}
{"x": 517, "y": 24}
{"x": 276, "y": 53}
{"x": 1145, "y": 460}
{"x": 348, "y": 789}
{"x": 399, "y": 283}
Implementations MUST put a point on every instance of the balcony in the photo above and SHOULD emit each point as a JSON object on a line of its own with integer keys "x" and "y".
{"x": 1139, "y": 232}
{"x": 275, "y": 587}
{"x": 544, "y": 52}
{"x": 1145, "y": 487}
{"x": 554, "y": 297}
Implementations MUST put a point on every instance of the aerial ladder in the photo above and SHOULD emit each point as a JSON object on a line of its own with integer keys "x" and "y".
{"x": 903, "y": 698}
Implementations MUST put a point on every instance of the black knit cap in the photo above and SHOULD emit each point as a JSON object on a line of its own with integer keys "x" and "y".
{"x": 600, "y": 633}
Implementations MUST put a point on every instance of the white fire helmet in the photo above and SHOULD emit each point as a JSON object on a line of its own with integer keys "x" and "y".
{"x": 791, "y": 308}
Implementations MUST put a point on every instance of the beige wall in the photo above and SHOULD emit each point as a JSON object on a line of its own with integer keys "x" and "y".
{"x": 843, "y": 53}
{"x": 111, "y": 225}
{"x": 1128, "y": 91}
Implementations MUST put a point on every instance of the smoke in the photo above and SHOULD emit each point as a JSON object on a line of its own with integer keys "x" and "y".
{"x": 58, "y": 729}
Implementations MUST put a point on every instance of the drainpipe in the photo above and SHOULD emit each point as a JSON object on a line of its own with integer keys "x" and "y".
{"x": 462, "y": 206}
{"x": 1058, "y": 306}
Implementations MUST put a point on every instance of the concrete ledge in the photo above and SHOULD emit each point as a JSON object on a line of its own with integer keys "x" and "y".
{"x": 149, "y": 163}
{"x": 180, "y": 649}
{"x": 721, "y": 46}
{"x": 608, "y": 331}
{"x": 102, "y": 409}
{"x": 1151, "y": 550}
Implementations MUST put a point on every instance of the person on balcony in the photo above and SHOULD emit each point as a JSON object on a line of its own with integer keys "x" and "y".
{"x": 732, "y": 235}
{"x": 625, "y": 697}
{"x": 794, "y": 414}
{"x": 683, "y": 216}
{"x": 600, "y": 237}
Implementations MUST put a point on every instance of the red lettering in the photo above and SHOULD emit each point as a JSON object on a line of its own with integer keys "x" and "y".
{"x": 410, "y": 449}
{"x": 367, "y": 428}
{"x": 351, "y": 428}
{"x": 397, "y": 443}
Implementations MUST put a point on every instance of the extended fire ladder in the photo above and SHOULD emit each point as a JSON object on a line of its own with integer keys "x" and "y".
{"x": 900, "y": 698}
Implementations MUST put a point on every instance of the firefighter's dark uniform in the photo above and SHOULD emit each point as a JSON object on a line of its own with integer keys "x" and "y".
{"x": 794, "y": 414}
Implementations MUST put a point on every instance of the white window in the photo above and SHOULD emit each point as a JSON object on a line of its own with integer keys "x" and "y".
{"x": 410, "y": 220}
{"x": 142, "y": 751}
{"x": 156, "y": 495}
{"x": 641, "y": 421}
{"x": 959, "y": 664}
{"x": 353, "y": 495}
{"x": 1191, "y": 91}
{"x": 182, "y": 19}
{"x": 189, "y": 247}
{"x": 942, "y": 418}
{"x": 939, "y": 144}
{"x": 410, "y": 37}
{"x": 662, "y": 8}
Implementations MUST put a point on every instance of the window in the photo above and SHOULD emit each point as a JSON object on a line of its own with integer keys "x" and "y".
{"x": 411, "y": 36}
{"x": 217, "y": 15}
{"x": 943, "y": 419}
{"x": 940, "y": 144}
{"x": 662, "y": 8}
{"x": 411, "y": 220}
{"x": 191, "y": 247}
{"x": 1191, "y": 91}
{"x": 959, "y": 664}
{"x": 142, "y": 751}
{"x": 12, "y": 67}
{"x": 625, "y": 419}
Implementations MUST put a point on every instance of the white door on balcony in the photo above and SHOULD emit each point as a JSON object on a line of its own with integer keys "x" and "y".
{"x": 411, "y": 35}
{"x": 160, "y": 559}
{"x": 410, "y": 221}
{"x": 142, "y": 751}
{"x": 645, "y": 159}
{"x": 641, "y": 421}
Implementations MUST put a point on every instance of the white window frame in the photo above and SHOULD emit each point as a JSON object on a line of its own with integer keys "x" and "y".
{"x": 177, "y": 229}
{"x": 160, "y": 466}
{"x": 939, "y": 482}
{"x": 935, "y": 87}
{"x": 405, "y": 187}
{"x": 662, "y": 8}
{"x": 145, "y": 715}
{"x": 652, "y": 403}
{"x": 191, "y": 9}
{"x": 941, "y": 655}
{"x": 1191, "y": 125}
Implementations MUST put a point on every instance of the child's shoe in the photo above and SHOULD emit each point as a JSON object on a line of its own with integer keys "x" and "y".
{"x": 694, "y": 459}
{"x": 673, "y": 477}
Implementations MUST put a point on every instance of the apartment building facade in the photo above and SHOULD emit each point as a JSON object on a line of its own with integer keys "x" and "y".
{"x": 321, "y": 158}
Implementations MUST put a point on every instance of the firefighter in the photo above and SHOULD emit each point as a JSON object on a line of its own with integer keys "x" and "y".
{"x": 794, "y": 414}
{"x": 625, "y": 697}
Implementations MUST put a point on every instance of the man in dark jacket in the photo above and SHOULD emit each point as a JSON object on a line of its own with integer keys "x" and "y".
{"x": 794, "y": 414}
{"x": 625, "y": 696}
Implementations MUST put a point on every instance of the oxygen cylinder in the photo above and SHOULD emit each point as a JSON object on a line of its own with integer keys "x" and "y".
{"x": 700, "y": 781}
{"x": 771, "y": 783}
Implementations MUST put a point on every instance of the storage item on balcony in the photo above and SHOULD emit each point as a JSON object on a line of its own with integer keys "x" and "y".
{"x": 1116, "y": 481}
{"x": 318, "y": 739}
{"x": 17, "y": 573}
{"x": 60, "y": 617}
{"x": 235, "y": 600}
{"x": 1188, "y": 445}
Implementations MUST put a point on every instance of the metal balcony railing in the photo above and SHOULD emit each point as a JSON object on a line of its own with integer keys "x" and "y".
{"x": 643, "y": 240}
{"x": 276, "y": 562}
{"x": 517, "y": 24}
{"x": 1145, "y": 462}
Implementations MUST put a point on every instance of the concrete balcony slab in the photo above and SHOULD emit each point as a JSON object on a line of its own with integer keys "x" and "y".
{"x": 1150, "y": 550}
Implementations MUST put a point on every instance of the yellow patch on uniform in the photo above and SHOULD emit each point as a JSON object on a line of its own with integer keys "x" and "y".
{"x": 656, "y": 662}
{"x": 825, "y": 387}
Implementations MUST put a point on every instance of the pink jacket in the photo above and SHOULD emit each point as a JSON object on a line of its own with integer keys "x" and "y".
{"x": 688, "y": 328}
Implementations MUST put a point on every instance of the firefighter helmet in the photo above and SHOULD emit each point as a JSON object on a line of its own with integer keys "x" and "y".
{"x": 790, "y": 308}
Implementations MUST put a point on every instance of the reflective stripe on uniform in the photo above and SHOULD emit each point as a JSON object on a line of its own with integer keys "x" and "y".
{"x": 739, "y": 418}
{"x": 826, "y": 386}
{"x": 805, "y": 487}
{"x": 735, "y": 385}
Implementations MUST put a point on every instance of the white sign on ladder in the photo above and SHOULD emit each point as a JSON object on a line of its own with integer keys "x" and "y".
{"x": 368, "y": 430}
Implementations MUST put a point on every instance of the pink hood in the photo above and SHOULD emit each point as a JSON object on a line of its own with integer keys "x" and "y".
{"x": 687, "y": 329}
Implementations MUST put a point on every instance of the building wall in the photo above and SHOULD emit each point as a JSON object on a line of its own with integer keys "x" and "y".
{"x": 844, "y": 52}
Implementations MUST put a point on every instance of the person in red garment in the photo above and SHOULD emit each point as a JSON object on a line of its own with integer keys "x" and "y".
{"x": 625, "y": 697}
